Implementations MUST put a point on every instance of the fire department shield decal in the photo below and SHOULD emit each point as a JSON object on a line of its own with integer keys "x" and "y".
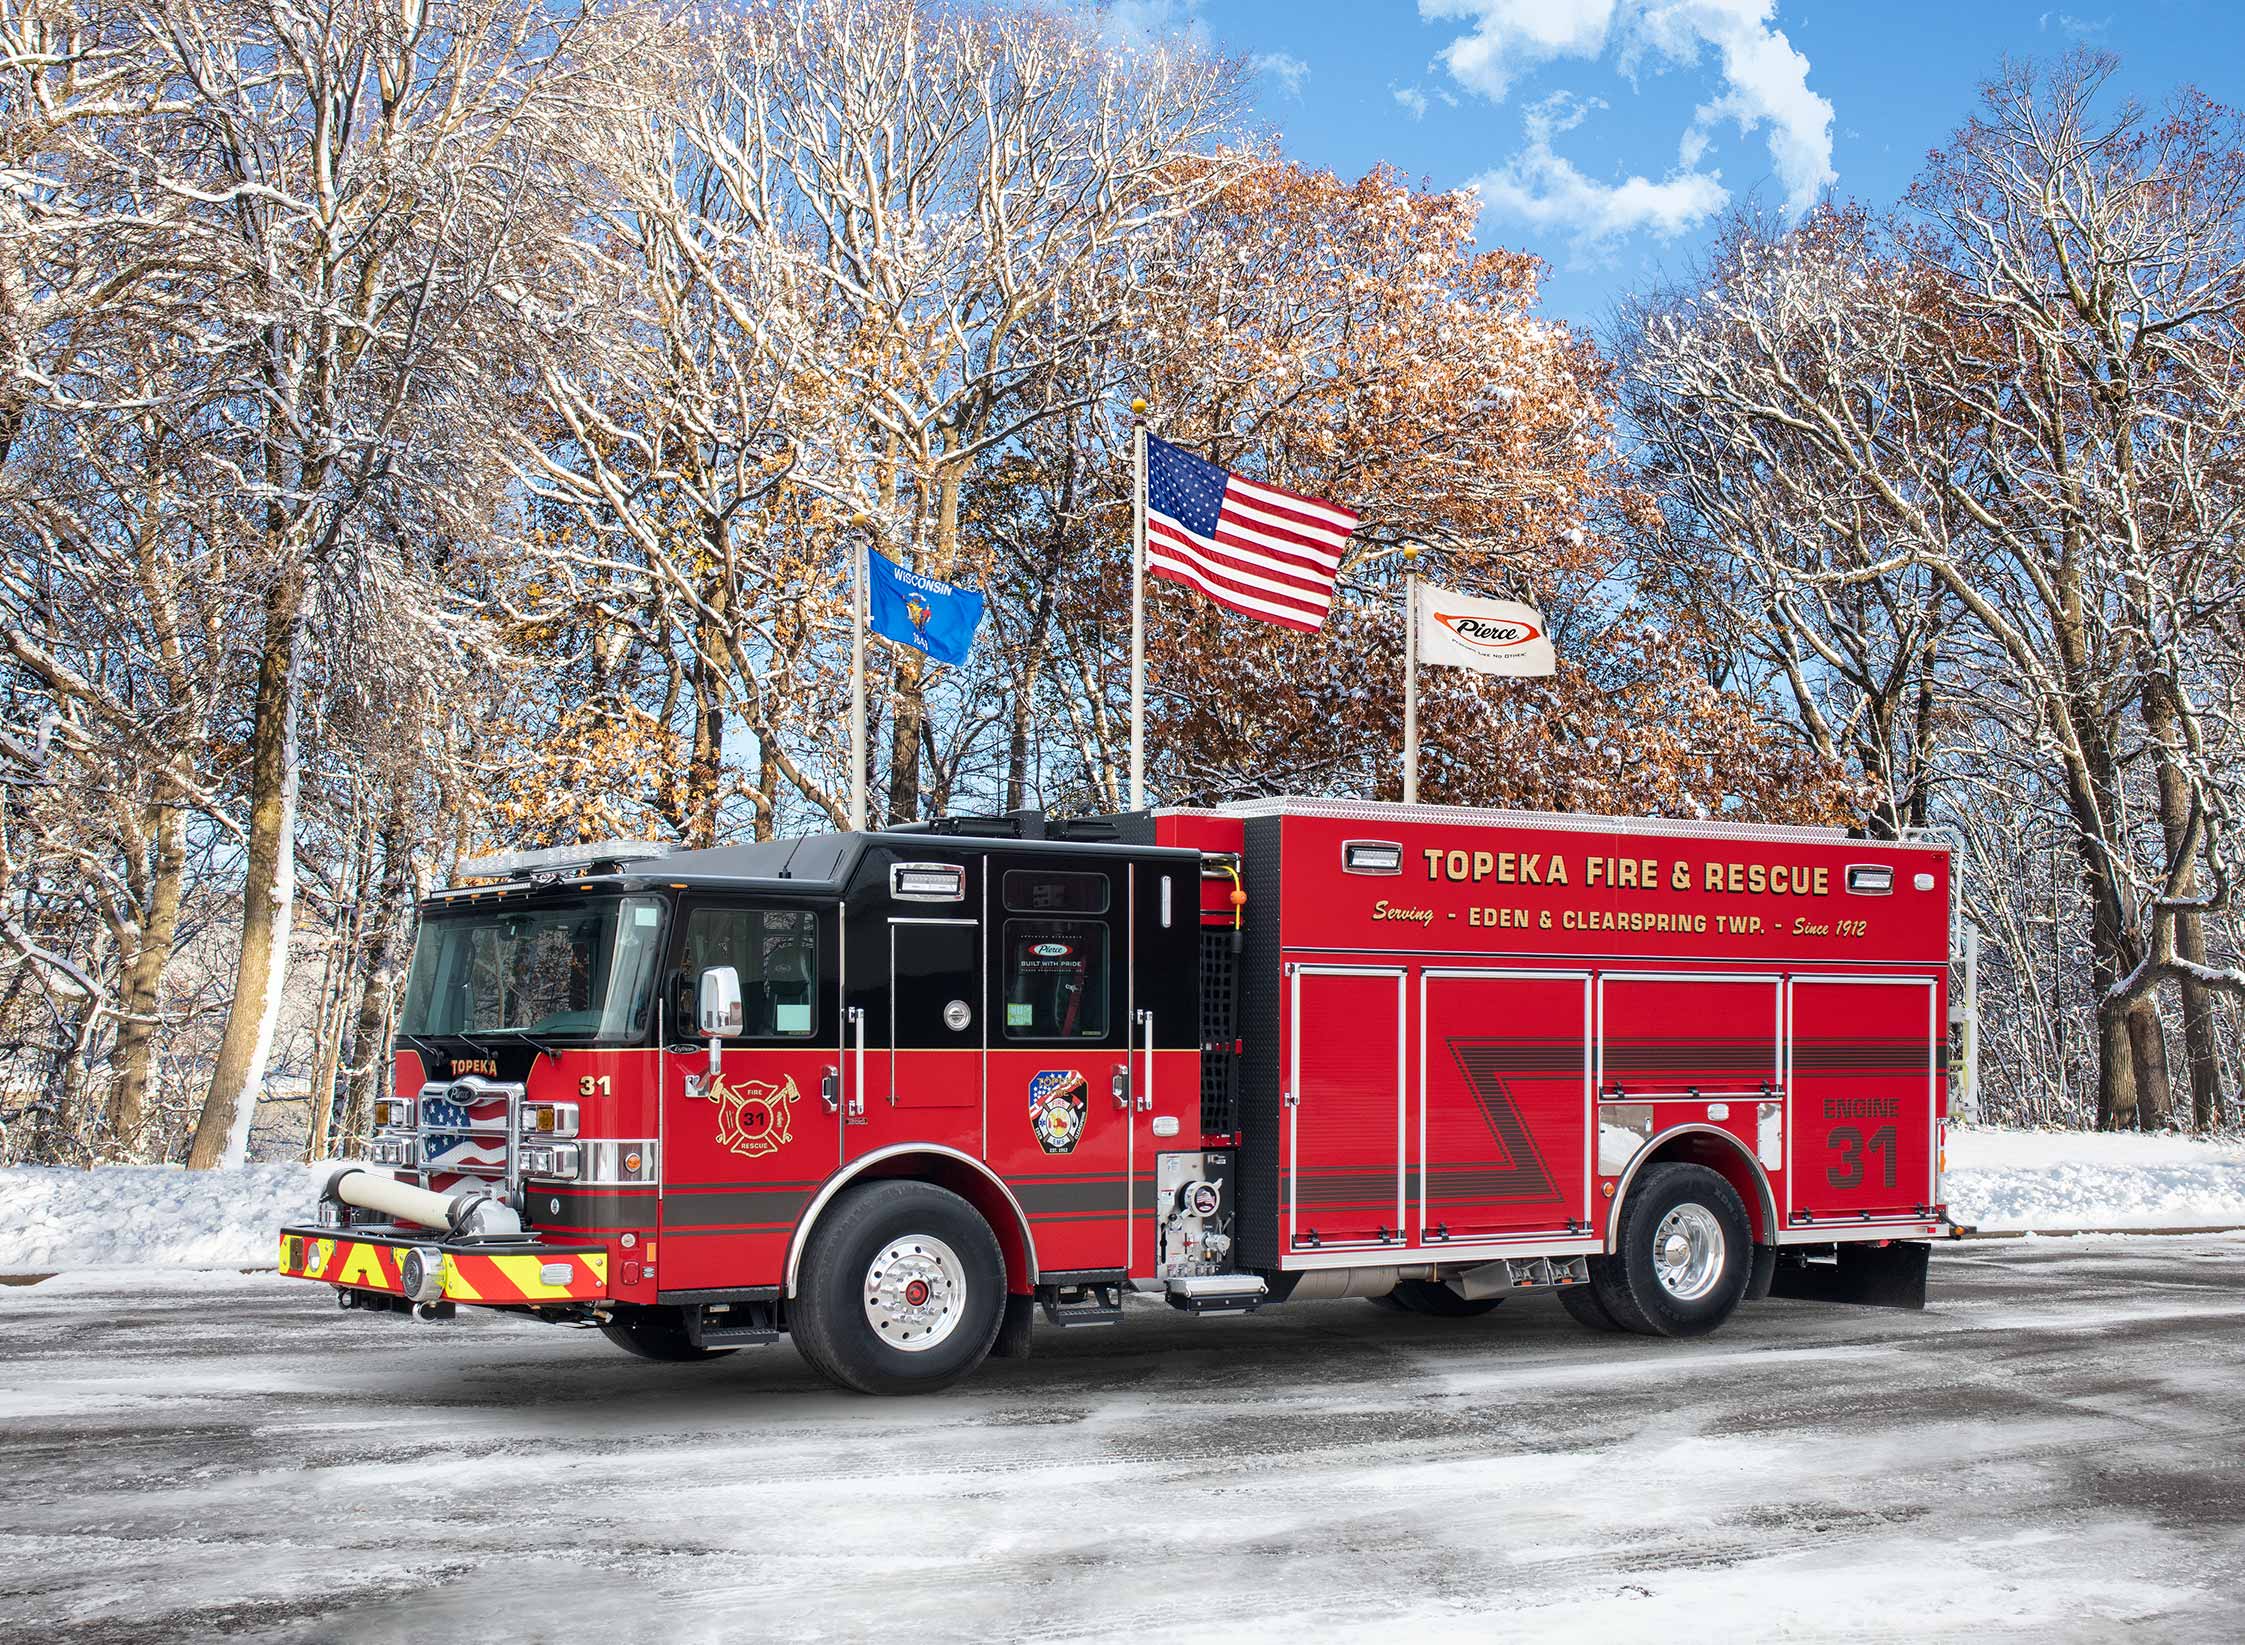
{"x": 753, "y": 1117}
{"x": 1057, "y": 1102}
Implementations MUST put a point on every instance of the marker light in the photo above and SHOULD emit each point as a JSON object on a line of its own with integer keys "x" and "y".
{"x": 1372, "y": 857}
{"x": 1873, "y": 879}
{"x": 394, "y": 1113}
{"x": 928, "y": 882}
{"x": 549, "y": 1119}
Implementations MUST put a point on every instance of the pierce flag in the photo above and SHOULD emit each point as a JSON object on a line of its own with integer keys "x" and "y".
{"x": 1489, "y": 636}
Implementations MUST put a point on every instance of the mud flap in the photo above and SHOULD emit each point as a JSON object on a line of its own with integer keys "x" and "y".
{"x": 1870, "y": 1276}
{"x": 1013, "y": 1329}
{"x": 1758, "y": 1277}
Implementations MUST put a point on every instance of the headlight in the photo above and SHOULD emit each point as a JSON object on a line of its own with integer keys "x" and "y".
{"x": 560, "y": 1160}
{"x": 394, "y": 1113}
{"x": 549, "y": 1119}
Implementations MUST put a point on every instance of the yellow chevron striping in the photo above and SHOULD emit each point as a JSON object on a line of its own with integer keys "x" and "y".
{"x": 522, "y": 1274}
{"x": 456, "y": 1284}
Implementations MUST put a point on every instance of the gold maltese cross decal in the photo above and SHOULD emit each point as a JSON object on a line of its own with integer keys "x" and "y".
{"x": 752, "y": 1117}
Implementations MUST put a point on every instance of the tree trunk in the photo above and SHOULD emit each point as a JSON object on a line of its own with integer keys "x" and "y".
{"x": 268, "y": 888}
{"x": 2147, "y": 1047}
{"x": 2116, "y": 1079}
{"x": 133, "y": 1061}
{"x": 2201, "y": 1036}
{"x": 2200, "y": 1043}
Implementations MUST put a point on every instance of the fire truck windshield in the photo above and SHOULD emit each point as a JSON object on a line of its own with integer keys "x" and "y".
{"x": 582, "y": 969}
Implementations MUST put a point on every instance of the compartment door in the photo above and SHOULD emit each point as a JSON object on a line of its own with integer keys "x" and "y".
{"x": 1505, "y": 1103}
{"x": 1865, "y": 1088}
{"x": 1345, "y": 1087}
{"x": 1698, "y": 1036}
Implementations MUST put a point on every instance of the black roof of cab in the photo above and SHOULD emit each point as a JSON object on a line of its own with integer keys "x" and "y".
{"x": 827, "y": 862}
{"x": 811, "y": 864}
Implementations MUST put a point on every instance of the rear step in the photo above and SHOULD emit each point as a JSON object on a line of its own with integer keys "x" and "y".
{"x": 1217, "y": 1293}
{"x": 1093, "y": 1298}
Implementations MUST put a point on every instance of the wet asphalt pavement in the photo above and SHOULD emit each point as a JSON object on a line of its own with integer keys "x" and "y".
{"x": 2055, "y": 1450}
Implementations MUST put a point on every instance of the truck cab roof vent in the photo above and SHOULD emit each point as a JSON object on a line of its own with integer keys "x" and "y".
{"x": 988, "y": 828}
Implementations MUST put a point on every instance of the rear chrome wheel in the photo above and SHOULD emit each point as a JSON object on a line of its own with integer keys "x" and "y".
{"x": 1688, "y": 1252}
{"x": 1683, "y": 1252}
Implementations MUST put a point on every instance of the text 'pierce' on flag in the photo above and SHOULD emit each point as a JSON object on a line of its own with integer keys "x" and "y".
{"x": 1254, "y": 548}
{"x": 1488, "y": 636}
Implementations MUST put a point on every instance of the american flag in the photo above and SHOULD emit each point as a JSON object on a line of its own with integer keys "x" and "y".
{"x": 1254, "y": 548}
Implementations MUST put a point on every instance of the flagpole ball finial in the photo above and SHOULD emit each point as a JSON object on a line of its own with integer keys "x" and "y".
{"x": 1410, "y": 552}
{"x": 1138, "y": 408}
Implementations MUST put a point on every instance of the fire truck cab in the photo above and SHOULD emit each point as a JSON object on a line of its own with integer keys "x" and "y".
{"x": 896, "y": 1093}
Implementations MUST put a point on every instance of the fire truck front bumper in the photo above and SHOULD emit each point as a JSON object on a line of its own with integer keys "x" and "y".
{"x": 416, "y": 1267}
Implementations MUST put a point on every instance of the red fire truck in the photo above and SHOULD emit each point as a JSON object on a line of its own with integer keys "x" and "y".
{"x": 894, "y": 1093}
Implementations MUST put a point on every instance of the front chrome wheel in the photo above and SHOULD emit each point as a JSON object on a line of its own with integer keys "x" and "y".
{"x": 1688, "y": 1252}
{"x": 915, "y": 1292}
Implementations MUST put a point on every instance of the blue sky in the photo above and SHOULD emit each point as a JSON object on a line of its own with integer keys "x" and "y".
{"x": 1606, "y": 133}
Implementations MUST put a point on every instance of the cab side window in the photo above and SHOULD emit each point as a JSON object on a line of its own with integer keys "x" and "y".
{"x": 1055, "y": 973}
{"x": 1055, "y": 980}
{"x": 775, "y": 952}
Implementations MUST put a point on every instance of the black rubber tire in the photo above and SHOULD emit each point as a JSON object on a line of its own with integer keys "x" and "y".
{"x": 656, "y": 1333}
{"x": 1432, "y": 1297}
{"x": 1389, "y": 1303}
{"x": 1626, "y": 1284}
{"x": 827, "y": 1318}
{"x": 1582, "y": 1304}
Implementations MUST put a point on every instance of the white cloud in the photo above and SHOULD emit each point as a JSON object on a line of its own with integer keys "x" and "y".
{"x": 1764, "y": 79}
{"x": 1542, "y": 187}
{"x": 1284, "y": 67}
{"x": 1413, "y": 100}
{"x": 2074, "y": 28}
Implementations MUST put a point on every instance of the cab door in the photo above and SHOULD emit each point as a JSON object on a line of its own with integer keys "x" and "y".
{"x": 744, "y": 1150}
{"x": 913, "y": 1025}
{"x": 1061, "y": 1066}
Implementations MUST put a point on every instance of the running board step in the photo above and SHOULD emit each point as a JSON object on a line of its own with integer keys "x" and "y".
{"x": 731, "y": 1324}
{"x": 1096, "y": 1303}
{"x": 1217, "y": 1293}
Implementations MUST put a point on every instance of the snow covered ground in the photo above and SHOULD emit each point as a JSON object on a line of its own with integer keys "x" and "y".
{"x": 142, "y": 1215}
{"x": 2046, "y": 1455}
{"x": 2086, "y": 1179}
{"x": 119, "y": 1216}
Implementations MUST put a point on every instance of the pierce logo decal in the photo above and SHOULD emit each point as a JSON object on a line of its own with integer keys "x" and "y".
{"x": 754, "y": 1117}
{"x": 1058, "y": 1101}
{"x": 1484, "y": 634}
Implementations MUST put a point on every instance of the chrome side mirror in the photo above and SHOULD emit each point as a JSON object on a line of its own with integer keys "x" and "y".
{"x": 719, "y": 1010}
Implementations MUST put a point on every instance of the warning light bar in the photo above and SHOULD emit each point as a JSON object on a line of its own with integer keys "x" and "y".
{"x": 1870, "y": 879}
{"x": 508, "y": 865}
{"x": 1371, "y": 856}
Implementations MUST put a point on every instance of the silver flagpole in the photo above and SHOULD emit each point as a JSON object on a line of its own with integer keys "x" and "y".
{"x": 859, "y": 537}
{"x": 1138, "y": 605}
{"x": 1411, "y": 674}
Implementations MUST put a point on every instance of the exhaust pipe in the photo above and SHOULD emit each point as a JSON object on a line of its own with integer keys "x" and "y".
{"x": 467, "y": 1211}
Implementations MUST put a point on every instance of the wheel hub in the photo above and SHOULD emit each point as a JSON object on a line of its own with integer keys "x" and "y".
{"x": 915, "y": 1292}
{"x": 1688, "y": 1252}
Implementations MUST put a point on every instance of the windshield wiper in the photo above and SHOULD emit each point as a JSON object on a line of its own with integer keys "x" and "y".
{"x": 524, "y": 1035}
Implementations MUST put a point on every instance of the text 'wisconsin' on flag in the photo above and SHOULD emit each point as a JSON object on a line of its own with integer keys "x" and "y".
{"x": 1250, "y": 547}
